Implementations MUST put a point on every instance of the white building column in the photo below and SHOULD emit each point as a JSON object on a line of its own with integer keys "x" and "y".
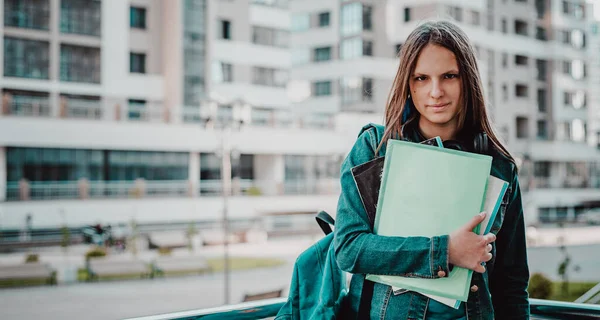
{"x": 269, "y": 173}
{"x": 54, "y": 71}
{"x": 3, "y": 174}
{"x": 194, "y": 173}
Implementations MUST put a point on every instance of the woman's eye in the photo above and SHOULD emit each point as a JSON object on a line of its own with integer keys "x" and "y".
{"x": 420, "y": 78}
{"x": 451, "y": 76}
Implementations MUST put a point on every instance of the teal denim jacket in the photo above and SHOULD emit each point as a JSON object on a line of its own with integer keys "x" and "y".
{"x": 499, "y": 293}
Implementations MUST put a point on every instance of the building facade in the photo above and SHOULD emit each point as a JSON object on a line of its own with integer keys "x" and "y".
{"x": 120, "y": 110}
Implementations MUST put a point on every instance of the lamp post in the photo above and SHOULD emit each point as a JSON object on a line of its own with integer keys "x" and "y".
{"x": 240, "y": 116}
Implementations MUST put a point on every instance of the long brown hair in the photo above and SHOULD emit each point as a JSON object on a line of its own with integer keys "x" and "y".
{"x": 472, "y": 115}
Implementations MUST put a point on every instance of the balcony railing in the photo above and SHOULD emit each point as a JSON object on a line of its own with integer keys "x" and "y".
{"x": 28, "y": 106}
{"x": 110, "y": 110}
{"x": 566, "y": 183}
{"x": 83, "y": 189}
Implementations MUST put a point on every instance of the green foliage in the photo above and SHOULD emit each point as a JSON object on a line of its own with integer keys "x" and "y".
{"x": 95, "y": 253}
{"x": 540, "y": 287}
{"x": 32, "y": 258}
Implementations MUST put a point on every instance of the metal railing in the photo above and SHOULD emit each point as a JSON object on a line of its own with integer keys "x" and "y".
{"x": 27, "y": 106}
{"x": 84, "y": 189}
{"x": 83, "y": 109}
{"x": 268, "y": 308}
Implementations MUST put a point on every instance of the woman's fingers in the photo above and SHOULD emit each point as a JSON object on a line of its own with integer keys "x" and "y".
{"x": 489, "y": 248}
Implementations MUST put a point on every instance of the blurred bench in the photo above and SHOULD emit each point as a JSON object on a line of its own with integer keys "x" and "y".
{"x": 190, "y": 264}
{"x": 106, "y": 267}
{"x": 263, "y": 295}
{"x": 28, "y": 271}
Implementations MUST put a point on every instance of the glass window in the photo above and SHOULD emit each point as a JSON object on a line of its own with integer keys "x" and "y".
{"x": 80, "y": 17}
{"x": 32, "y": 14}
{"x": 137, "y": 17}
{"x": 322, "y": 88}
{"x": 367, "y": 17}
{"x": 351, "y": 19}
{"x": 136, "y": 109}
{"x": 324, "y": 19}
{"x": 222, "y": 72}
{"x": 210, "y": 167}
{"x": 367, "y": 48}
{"x": 541, "y": 169}
{"x": 541, "y": 100}
{"x": 406, "y": 14}
{"x": 79, "y": 64}
{"x": 225, "y": 30}
{"x": 270, "y": 37}
{"x": 295, "y": 167}
{"x": 542, "y": 130}
{"x": 522, "y": 127}
{"x": 322, "y": 54}
{"x": 300, "y": 22}
{"x": 269, "y": 77}
{"x": 137, "y": 62}
{"x": 351, "y": 48}
{"x": 355, "y": 90}
{"x": 26, "y": 58}
{"x": 245, "y": 168}
{"x": 521, "y": 90}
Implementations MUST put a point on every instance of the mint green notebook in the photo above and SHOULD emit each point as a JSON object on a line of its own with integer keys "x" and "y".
{"x": 428, "y": 191}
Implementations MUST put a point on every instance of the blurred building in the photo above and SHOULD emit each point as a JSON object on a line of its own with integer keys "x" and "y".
{"x": 539, "y": 64}
{"x": 115, "y": 110}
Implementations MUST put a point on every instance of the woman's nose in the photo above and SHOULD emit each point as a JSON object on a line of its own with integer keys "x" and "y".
{"x": 436, "y": 90}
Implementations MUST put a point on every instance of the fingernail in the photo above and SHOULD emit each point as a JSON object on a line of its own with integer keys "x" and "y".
{"x": 482, "y": 214}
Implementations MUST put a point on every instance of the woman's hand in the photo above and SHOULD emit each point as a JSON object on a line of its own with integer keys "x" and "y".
{"x": 468, "y": 249}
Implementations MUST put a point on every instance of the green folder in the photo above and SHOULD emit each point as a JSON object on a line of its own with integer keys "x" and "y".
{"x": 429, "y": 191}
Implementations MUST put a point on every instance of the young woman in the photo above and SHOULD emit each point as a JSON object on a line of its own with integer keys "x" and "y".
{"x": 437, "y": 91}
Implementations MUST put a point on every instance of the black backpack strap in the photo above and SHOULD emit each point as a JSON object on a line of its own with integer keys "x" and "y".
{"x": 364, "y": 308}
{"x": 325, "y": 221}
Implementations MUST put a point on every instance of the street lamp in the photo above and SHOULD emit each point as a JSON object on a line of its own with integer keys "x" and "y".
{"x": 241, "y": 113}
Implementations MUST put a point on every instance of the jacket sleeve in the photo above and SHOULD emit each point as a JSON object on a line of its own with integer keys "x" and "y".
{"x": 509, "y": 280}
{"x": 360, "y": 251}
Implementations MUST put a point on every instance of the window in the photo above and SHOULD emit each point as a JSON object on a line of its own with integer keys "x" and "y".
{"x": 222, "y": 72}
{"x": 367, "y": 19}
{"x": 137, "y": 62}
{"x": 269, "y": 77}
{"x": 565, "y": 36}
{"x": 521, "y": 27}
{"x": 30, "y": 103}
{"x": 355, "y": 90}
{"x": 541, "y": 100}
{"x": 79, "y": 64}
{"x": 245, "y": 168}
{"x": 475, "y": 18}
{"x": 351, "y": 19}
{"x": 455, "y": 13}
{"x": 541, "y": 169}
{"x": 504, "y": 92}
{"x": 324, "y": 19}
{"x": 210, "y": 167}
{"x": 300, "y": 22}
{"x": 225, "y": 30}
{"x": 504, "y": 60}
{"x": 541, "y": 67}
{"x": 504, "y": 26}
{"x": 521, "y": 60}
{"x": 575, "y": 99}
{"x": 137, "y": 17}
{"x": 270, "y": 37}
{"x": 540, "y": 33}
{"x": 522, "y": 127}
{"x": 26, "y": 58}
{"x": 542, "y": 130}
{"x": 398, "y": 48}
{"x": 80, "y": 17}
{"x": 322, "y": 88}
{"x": 32, "y": 14}
{"x": 540, "y": 8}
{"x": 322, "y": 54}
{"x": 406, "y": 14}
{"x": 136, "y": 109}
{"x": 521, "y": 90}
{"x": 367, "y": 48}
{"x": 574, "y": 10}
{"x": 351, "y": 48}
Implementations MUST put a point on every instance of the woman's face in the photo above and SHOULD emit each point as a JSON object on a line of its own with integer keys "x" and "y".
{"x": 436, "y": 89}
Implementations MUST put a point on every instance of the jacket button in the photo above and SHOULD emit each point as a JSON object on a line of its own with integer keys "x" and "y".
{"x": 441, "y": 274}
{"x": 474, "y": 288}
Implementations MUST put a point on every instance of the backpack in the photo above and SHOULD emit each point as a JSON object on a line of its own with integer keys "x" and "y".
{"x": 318, "y": 286}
